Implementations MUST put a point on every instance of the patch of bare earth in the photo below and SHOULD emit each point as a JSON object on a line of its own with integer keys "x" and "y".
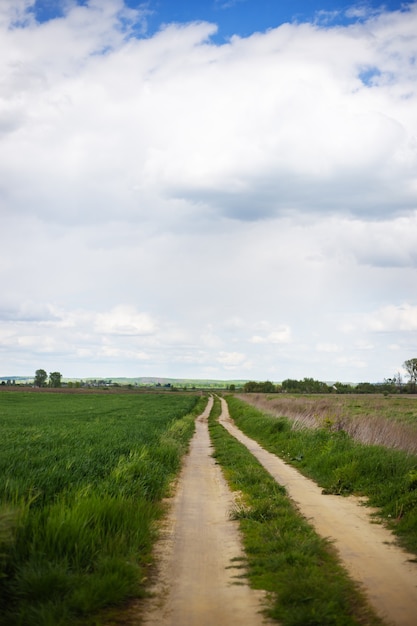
{"x": 368, "y": 551}
{"x": 198, "y": 581}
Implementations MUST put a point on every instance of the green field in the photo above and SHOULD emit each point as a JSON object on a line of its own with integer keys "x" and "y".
{"x": 83, "y": 475}
{"x": 81, "y": 482}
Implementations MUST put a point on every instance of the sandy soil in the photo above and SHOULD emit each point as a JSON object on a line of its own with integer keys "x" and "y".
{"x": 367, "y": 549}
{"x": 198, "y": 583}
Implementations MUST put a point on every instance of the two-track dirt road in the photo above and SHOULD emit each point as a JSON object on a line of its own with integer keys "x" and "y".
{"x": 196, "y": 578}
{"x": 197, "y": 582}
{"x": 367, "y": 550}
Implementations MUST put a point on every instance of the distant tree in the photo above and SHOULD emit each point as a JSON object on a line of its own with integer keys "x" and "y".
{"x": 366, "y": 388}
{"x": 307, "y": 385}
{"x": 389, "y": 385}
{"x": 232, "y": 387}
{"x": 343, "y": 388}
{"x": 55, "y": 379}
{"x": 394, "y": 384}
{"x": 40, "y": 378}
{"x": 259, "y": 387}
{"x": 250, "y": 386}
{"x": 310, "y": 385}
{"x": 411, "y": 368}
{"x": 399, "y": 381}
{"x": 267, "y": 387}
{"x": 290, "y": 385}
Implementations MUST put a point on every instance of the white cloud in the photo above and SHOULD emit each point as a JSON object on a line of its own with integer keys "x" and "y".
{"x": 231, "y": 359}
{"x": 352, "y": 362}
{"x": 328, "y": 347}
{"x": 124, "y": 320}
{"x": 161, "y": 195}
{"x": 183, "y": 119}
{"x": 14, "y": 12}
{"x": 386, "y": 243}
{"x": 364, "y": 345}
{"x": 210, "y": 339}
{"x": 393, "y": 319}
{"x": 279, "y": 335}
{"x": 117, "y": 353}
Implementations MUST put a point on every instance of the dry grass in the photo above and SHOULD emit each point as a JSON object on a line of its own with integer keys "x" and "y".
{"x": 377, "y": 420}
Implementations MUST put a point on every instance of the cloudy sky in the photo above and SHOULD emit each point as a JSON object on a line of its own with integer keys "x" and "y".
{"x": 216, "y": 188}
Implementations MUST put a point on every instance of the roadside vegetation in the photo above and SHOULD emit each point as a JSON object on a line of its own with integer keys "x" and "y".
{"x": 387, "y": 478}
{"x": 81, "y": 483}
{"x": 284, "y": 555}
{"x": 390, "y": 421}
{"x": 393, "y": 385}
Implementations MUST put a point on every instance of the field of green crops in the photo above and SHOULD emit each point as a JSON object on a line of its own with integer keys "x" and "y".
{"x": 81, "y": 482}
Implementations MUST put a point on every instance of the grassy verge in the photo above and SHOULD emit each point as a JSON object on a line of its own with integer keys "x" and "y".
{"x": 389, "y": 421}
{"x": 339, "y": 407}
{"x": 82, "y": 480}
{"x": 386, "y": 477}
{"x": 285, "y": 556}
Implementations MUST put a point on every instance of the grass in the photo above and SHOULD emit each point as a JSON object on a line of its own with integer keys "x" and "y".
{"x": 285, "y": 556}
{"x": 81, "y": 483}
{"x": 341, "y": 465}
{"x": 389, "y": 421}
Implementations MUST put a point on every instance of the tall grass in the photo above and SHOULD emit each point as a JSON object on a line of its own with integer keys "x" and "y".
{"x": 379, "y": 420}
{"x": 341, "y": 465}
{"x": 81, "y": 482}
{"x": 285, "y": 556}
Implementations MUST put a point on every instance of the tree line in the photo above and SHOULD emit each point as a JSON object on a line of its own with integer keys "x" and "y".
{"x": 42, "y": 380}
{"x": 396, "y": 384}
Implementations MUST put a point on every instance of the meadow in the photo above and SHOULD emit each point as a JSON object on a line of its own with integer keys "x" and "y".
{"x": 387, "y": 420}
{"x": 82, "y": 477}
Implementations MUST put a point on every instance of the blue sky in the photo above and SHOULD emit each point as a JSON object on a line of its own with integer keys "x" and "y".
{"x": 244, "y": 17}
{"x": 237, "y": 17}
{"x": 179, "y": 202}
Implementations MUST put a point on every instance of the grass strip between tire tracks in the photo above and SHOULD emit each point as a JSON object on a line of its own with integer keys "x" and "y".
{"x": 285, "y": 556}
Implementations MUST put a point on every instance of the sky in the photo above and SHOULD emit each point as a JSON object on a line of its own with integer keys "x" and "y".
{"x": 221, "y": 189}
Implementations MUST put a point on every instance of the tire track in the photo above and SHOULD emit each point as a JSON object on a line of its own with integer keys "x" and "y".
{"x": 197, "y": 582}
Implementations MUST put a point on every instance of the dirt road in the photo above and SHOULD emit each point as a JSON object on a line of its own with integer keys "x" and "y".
{"x": 197, "y": 577}
{"x": 366, "y": 548}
